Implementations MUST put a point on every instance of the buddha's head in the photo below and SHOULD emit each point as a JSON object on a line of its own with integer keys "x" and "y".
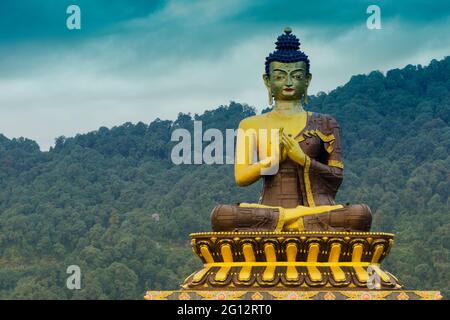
{"x": 287, "y": 74}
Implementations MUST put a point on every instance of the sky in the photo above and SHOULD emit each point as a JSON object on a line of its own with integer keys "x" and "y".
{"x": 136, "y": 60}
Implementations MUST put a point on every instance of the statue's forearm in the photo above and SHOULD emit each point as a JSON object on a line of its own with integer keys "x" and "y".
{"x": 327, "y": 172}
{"x": 247, "y": 174}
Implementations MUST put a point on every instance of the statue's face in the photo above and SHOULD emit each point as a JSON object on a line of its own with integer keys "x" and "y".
{"x": 287, "y": 81}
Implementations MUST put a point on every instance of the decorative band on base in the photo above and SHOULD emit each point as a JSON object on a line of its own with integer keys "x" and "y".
{"x": 294, "y": 295}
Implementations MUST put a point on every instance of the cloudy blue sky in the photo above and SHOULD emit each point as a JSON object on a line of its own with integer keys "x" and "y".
{"x": 137, "y": 60}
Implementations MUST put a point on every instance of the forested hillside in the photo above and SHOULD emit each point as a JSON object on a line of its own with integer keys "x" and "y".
{"x": 112, "y": 202}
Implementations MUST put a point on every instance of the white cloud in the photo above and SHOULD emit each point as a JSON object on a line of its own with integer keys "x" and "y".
{"x": 111, "y": 80}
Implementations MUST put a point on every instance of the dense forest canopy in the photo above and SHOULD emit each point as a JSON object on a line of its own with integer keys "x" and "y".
{"x": 112, "y": 202}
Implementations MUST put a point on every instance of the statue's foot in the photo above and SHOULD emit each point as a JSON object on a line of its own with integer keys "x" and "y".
{"x": 356, "y": 217}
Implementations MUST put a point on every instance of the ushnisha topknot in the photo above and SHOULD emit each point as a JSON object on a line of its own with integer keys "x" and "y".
{"x": 287, "y": 50}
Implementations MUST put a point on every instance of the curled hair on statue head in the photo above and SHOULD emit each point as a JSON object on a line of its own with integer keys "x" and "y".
{"x": 287, "y": 50}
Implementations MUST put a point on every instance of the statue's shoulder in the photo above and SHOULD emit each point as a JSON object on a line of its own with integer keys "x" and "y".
{"x": 252, "y": 122}
{"x": 324, "y": 121}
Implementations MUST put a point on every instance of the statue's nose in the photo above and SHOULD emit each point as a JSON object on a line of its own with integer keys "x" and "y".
{"x": 289, "y": 82}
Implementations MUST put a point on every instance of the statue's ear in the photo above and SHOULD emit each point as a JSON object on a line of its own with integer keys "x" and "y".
{"x": 308, "y": 79}
{"x": 266, "y": 79}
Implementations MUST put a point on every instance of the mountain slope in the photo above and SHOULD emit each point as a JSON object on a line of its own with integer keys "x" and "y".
{"x": 111, "y": 201}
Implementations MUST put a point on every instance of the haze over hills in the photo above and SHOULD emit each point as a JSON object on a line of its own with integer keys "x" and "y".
{"x": 112, "y": 202}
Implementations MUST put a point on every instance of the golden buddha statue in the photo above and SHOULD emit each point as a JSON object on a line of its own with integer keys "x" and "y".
{"x": 299, "y": 195}
{"x": 296, "y": 236}
{"x": 296, "y": 243}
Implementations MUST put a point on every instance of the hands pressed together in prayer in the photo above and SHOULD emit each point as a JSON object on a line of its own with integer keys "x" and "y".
{"x": 290, "y": 148}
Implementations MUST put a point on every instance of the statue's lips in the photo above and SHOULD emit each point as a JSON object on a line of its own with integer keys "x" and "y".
{"x": 288, "y": 90}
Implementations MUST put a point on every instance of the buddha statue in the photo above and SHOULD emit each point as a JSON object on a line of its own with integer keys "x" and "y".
{"x": 306, "y": 152}
{"x": 296, "y": 242}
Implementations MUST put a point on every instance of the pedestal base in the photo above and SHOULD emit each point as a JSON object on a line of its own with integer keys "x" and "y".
{"x": 286, "y": 261}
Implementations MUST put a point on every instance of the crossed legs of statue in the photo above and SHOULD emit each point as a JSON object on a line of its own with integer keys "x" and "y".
{"x": 257, "y": 217}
